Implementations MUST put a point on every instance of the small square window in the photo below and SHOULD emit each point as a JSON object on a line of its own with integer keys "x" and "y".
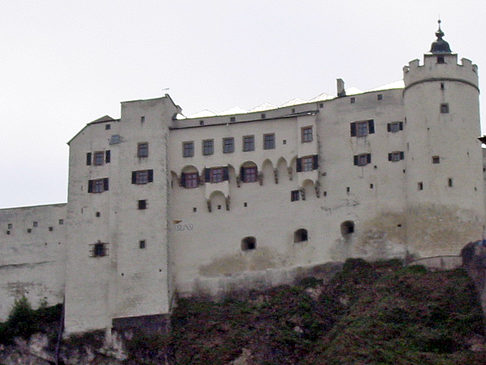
{"x": 201, "y": 122}
{"x": 450, "y": 182}
{"x": 294, "y": 195}
{"x": 435, "y": 159}
{"x": 9, "y": 226}
{"x": 263, "y": 115}
{"x": 245, "y": 204}
{"x": 306, "y": 135}
{"x": 29, "y": 230}
{"x": 188, "y": 149}
{"x": 352, "y": 100}
{"x": 107, "y": 126}
{"x": 142, "y": 204}
{"x": 98, "y": 250}
{"x": 379, "y": 97}
{"x": 51, "y": 229}
{"x": 440, "y": 59}
{"x": 208, "y": 147}
{"x": 194, "y": 209}
{"x": 444, "y": 108}
{"x": 228, "y": 145}
{"x": 61, "y": 221}
{"x": 99, "y": 158}
{"x": 97, "y": 214}
{"x": 284, "y": 141}
{"x": 232, "y": 119}
{"x": 371, "y": 186}
{"x": 395, "y": 127}
{"x": 35, "y": 224}
{"x": 248, "y": 143}
{"x": 142, "y": 119}
{"x": 269, "y": 141}
{"x": 420, "y": 186}
{"x": 141, "y": 244}
{"x": 321, "y": 105}
{"x": 142, "y": 149}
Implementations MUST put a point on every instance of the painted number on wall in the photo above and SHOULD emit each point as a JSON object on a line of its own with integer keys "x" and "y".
{"x": 184, "y": 227}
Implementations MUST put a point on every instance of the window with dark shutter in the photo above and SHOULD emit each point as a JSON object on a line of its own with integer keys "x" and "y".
{"x": 207, "y": 175}
{"x": 299, "y": 165}
{"x": 362, "y": 160}
{"x": 353, "y": 129}
{"x": 315, "y": 163}
{"x": 90, "y": 186}
{"x": 134, "y": 177}
{"x": 107, "y": 156}
{"x": 371, "y": 126}
{"x": 98, "y": 185}
{"x": 88, "y": 158}
{"x": 142, "y": 177}
{"x": 106, "y": 184}
{"x": 225, "y": 174}
{"x": 150, "y": 175}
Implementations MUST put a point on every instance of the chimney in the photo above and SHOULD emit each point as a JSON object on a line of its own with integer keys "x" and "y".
{"x": 340, "y": 88}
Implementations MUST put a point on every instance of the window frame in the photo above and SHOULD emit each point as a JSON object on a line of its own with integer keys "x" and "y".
{"x": 269, "y": 141}
{"x": 306, "y": 134}
{"x": 208, "y": 147}
{"x": 142, "y": 149}
{"x": 188, "y": 149}
{"x": 228, "y": 144}
{"x": 98, "y": 158}
{"x": 216, "y": 174}
{"x": 250, "y": 174}
{"x": 444, "y": 108}
{"x": 362, "y": 159}
{"x": 249, "y": 143}
{"x": 142, "y": 177}
{"x": 190, "y": 180}
{"x": 307, "y": 163}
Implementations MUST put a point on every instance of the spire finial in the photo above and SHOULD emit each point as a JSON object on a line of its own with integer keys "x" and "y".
{"x": 439, "y": 32}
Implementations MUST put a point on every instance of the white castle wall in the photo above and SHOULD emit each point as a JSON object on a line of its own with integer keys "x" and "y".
{"x": 32, "y": 255}
{"x": 192, "y": 237}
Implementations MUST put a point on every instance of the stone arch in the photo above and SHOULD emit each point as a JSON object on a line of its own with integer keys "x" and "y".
{"x": 217, "y": 201}
{"x": 233, "y": 175}
{"x": 249, "y": 172}
{"x": 282, "y": 168}
{"x": 174, "y": 180}
{"x": 301, "y": 235}
{"x": 308, "y": 189}
{"x": 292, "y": 168}
{"x": 268, "y": 171}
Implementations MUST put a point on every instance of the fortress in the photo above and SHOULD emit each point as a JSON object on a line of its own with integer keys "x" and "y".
{"x": 162, "y": 205}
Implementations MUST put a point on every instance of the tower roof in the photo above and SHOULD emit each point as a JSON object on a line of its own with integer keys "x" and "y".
{"x": 440, "y": 45}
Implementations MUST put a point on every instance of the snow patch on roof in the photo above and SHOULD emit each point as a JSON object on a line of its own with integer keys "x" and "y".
{"x": 392, "y": 85}
{"x": 264, "y": 106}
{"x": 234, "y": 110}
{"x": 203, "y": 113}
{"x": 294, "y": 101}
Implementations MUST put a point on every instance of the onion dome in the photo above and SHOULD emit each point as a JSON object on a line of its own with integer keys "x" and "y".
{"x": 440, "y": 46}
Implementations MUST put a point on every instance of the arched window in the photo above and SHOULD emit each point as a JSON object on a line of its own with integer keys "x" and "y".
{"x": 301, "y": 235}
{"x": 248, "y": 243}
{"x": 249, "y": 172}
{"x": 347, "y": 228}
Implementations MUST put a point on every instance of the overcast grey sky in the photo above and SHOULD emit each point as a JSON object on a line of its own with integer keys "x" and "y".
{"x": 65, "y": 63}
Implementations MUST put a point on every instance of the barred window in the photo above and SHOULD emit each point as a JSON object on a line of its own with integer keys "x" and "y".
{"x": 208, "y": 147}
{"x": 142, "y": 149}
{"x": 306, "y": 134}
{"x": 269, "y": 141}
{"x": 142, "y": 176}
{"x": 99, "y": 158}
{"x": 228, "y": 145}
{"x": 248, "y": 143}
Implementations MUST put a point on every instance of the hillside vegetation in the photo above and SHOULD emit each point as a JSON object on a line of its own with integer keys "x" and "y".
{"x": 369, "y": 313}
{"x": 380, "y": 313}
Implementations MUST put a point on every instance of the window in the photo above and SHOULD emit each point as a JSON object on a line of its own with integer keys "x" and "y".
{"x": 449, "y": 182}
{"x": 188, "y": 149}
{"x": 362, "y": 128}
{"x": 216, "y": 175}
{"x": 29, "y": 230}
{"x": 379, "y": 97}
{"x": 352, "y": 100}
{"x": 232, "y": 119}
{"x": 347, "y": 228}
{"x": 228, "y": 145}
{"x": 107, "y": 156}
{"x": 98, "y": 250}
{"x": 248, "y": 174}
{"x": 420, "y": 186}
{"x": 51, "y": 229}
{"x": 35, "y": 224}
{"x": 189, "y": 180}
{"x": 263, "y": 116}
{"x": 142, "y": 119}
{"x": 61, "y": 221}
{"x": 435, "y": 159}
{"x": 442, "y": 86}
{"x": 248, "y": 243}
{"x": 88, "y": 158}
{"x": 141, "y": 244}
{"x": 300, "y": 235}
{"x": 142, "y": 177}
{"x": 307, "y": 163}
{"x": 208, "y": 147}
{"x": 142, "y": 149}
{"x": 444, "y": 108}
{"x": 294, "y": 195}
{"x": 99, "y": 158}
{"x": 396, "y": 156}
{"x": 306, "y": 134}
{"x": 97, "y": 214}
{"x": 248, "y": 143}
{"x": 440, "y": 59}
{"x": 394, "y": 127}
{"x": 10, "y": 226}
{"x": 142, "y": 204}
{"x": 269, "y": 141}
{"x": 107, "y": 126}
{"x": 362, "y": 160}
{"x": 98, "y": 185}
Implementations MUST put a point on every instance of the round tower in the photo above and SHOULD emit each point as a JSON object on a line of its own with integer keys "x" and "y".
{"x": 443, "y": 176}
